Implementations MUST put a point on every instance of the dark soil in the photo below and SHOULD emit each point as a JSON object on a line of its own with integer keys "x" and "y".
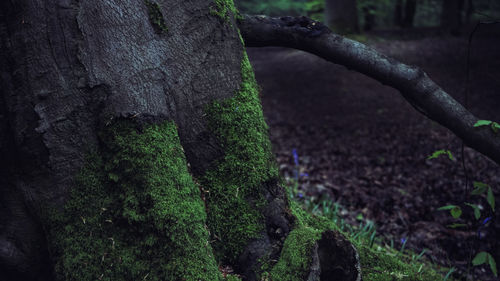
{"x": 361, "y": 143}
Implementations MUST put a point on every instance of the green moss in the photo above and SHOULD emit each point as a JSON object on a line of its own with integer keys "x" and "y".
{"x": 296, "y": 255}
{"x": 234, "y": 199}
{"x": 135, "y": 213}
{"x": 295, "y": 258}
{"x": 232, "y": 278}
{"x": 303, "y": 218}
{"x": 156, "y": 16}
{"x": 384, "y": 264}
{"x": 377, "y": 263}
{"x": 224, "y": 8}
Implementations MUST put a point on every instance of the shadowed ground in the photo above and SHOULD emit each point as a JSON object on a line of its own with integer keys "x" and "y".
{"x": 361, "y": 143}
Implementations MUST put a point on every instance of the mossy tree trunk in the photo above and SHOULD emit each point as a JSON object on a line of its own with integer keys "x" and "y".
{"x": 134, "y": 148}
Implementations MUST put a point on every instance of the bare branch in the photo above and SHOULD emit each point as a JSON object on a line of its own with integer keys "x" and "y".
{"x": 426, "y": 96}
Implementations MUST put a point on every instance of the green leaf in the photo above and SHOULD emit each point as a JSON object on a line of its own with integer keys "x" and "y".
{"x": 449, "y": 273}
{"x": 480, "y": 258}
{"x": 493, "y": 265}
{"x": 456, "y": 212}
{"x": 456, "y": 225}
{"x": 450, "y": 155}
{"x": 480, "y": 187}
{"x": 437, "y": 153}
{"x": 491, "y": 198}
{"x": 359, "y": 217}
{"x": 447, "y": 207}
{"x": 495, "y": 127}
{"x": 485, "y": 257}
{"x": 477, "y": 211}
{"x": 482, "y": 123}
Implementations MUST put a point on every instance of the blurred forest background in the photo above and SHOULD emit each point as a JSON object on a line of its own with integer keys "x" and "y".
{"x": 356, "y": 151}
{"x": 382, "y": 14}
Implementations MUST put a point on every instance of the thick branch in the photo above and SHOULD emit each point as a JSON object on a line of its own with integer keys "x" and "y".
{"x": 426, "y": 96}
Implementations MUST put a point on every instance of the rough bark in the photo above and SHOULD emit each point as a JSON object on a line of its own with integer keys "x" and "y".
{"x": 415, "y": 86}
{"x": 134, "y": 146}
{"x": 69, "y": 68}
{"x": 342, "y": 15}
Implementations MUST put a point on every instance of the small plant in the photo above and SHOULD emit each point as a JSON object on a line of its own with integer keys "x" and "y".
{"x": 485, "y": 258}
{"x": 363, "y": 236}
{"x": 493, "y": 125}
{"x": 403, "y": 245}
{"x": 437, "y": 153}
{"x": 450, "y": 272}
{"x": 419, "y": 256}
{"x": 479, "y": 190}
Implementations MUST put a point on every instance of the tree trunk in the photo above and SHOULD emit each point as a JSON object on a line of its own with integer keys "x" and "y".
{"x": 469, "y": 11}
{"x": 342, "y": 16}
{"x": 405, "y": 19}
{"x": 451, "y": 15}
{"x": 369, "y": 15}
{"x": 398, "y": 13}
{"x": 410, "y": 9}
{"x": 134, "y": 147}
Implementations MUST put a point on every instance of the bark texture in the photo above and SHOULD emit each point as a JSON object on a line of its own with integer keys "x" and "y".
{"x": 415, "y": 86}
{"x": 134, "y": 147}
{"x": 70, "y": 68}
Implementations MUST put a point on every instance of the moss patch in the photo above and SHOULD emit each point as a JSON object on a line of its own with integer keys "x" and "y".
{"x": 134, "y": 213}
{"x": 232, "y": 278}
{"x": 224, "y": 9}
{"x": 234, "y": 196}
{"x": 377, "y": 263}
{"x": 156, "y": 16}
{"x": 305, "y": 219}
{"x": 296, "y": 256}
{"x": 389, "y": 265}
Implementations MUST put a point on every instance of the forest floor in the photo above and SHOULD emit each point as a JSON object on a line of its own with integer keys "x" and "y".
{"x": 363, "y": 145}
